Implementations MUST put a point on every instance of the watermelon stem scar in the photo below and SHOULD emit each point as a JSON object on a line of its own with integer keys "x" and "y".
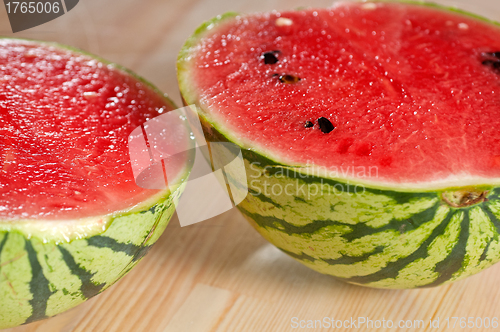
{"x": 464, "y": 197}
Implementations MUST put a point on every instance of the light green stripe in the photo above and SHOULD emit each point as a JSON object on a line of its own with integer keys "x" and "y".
{"x": 493, "y": 254}
{"x": 105, "y": 264}
{"x": 62, "y": 281}
{"x": 421, "y": 271}
{"x": 302, "y": 203}
{"x": 15, "y": 276}
{"x": 481, "y": 231}
{"x": 328, "y": 243}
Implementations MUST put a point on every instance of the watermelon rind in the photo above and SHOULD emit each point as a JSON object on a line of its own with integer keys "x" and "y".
{"x": 383, "y": 235}
{"x": 50, "y": 266}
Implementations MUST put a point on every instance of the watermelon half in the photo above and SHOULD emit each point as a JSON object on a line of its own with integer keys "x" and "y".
{"x": 72, "y": 219}
{"x": 370, "y": 133}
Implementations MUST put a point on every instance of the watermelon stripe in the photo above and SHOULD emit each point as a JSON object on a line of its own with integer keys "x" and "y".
{"x": 151, "y": 209}
{"x": 100, "y": 241}
{"x": 453, "y": 262}
{"x": 494, "y": 220}
{"x": 358, "y": 230}
{"x": 273, "y": 222}
{"x": 354, "y": 259}
{"x": 391, "y": 270}
{"x": 88, "y": 287}
{"x": 493, "y": 217}
{"x": 282, "y": 172}
{"x": 417, "y": 220}
{"x": 342, "y": 260}
{"x": 4, "y": 240}
{"x": 141, "y": 253}
{"x": 485, "y": 252}
{"x": 494, "y": 195}
{"x": 263, "y": 198}
{"x": 301, "y": 257}
{"x": 39, "y": 286}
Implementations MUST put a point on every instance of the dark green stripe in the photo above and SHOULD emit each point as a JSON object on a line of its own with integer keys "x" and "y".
{"x": 88, "y": 288}
{"x": 263, "y": 198}
{"x": 403, "y": 226}
{"x": 141, "y": 253}
{"x": 100, "y": 241}
{"x": 151, "y": 209}
{"x": 300, "y": 257}
{"x": 391, "y": 270}
{"x": 494, "y": 194}
{"x": 39, "y": 286}
{"x": 137, "y": 252}
{"x": 342, "y": 260}
{"x": 2, "y": 244}
{"x": 494, "y": 220}
{"x": 282, "y": 225}
{"x": 453, "y": 262}
{"x": 300, "y": 199}
{"x": 293, "y": 173}
{"x": 485, "y": 252}
{"x": 284, "y": 171}
{"x": 357, "y": 230}
{"x": 354, "y": 259}
{"x": 235, "y": 183}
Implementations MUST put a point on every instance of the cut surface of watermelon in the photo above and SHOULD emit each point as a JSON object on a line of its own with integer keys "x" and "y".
{"x": 65, "y": 118}
{"x": 411, "y": 95}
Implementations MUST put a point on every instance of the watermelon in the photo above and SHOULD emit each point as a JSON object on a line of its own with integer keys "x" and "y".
{"x": 72, "y": 219}
{"x": 369, "y": 132}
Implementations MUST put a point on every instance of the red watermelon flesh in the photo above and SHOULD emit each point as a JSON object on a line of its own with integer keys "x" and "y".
{"x": 64, "y": 125}
{"x": 412, "y": 91}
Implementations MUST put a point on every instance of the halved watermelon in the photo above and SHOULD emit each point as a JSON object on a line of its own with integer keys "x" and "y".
{"x": 72, "y": 219}
{"x": 369, "y": 130}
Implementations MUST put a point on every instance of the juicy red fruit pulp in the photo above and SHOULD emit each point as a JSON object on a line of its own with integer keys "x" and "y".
{"x": 64, "y": 124}
{"x": 411, "y": 91}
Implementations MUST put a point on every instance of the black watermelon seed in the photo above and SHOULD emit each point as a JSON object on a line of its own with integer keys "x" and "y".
{"x": 270, "y": 58}
{"x": 492, "y": 54}
{"x": 308, "y": 124}
{"x": 325, "y": 125}
{"x": 496, "y": 65}
{"x": 288, "y": 79}
{"x": 488, "y": 62}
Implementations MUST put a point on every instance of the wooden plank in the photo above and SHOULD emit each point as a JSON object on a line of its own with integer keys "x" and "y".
{"x": 202, "y": 310}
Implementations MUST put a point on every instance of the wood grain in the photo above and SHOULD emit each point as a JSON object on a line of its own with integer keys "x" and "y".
{"x": 220, "y": 275}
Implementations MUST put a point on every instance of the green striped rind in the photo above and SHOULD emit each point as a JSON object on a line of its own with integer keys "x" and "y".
{"x": 39, "y": 280}
{"x": 371, "y": 237}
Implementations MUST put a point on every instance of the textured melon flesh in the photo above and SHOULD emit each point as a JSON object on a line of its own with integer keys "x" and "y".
{"x": 404, "y": 85}
{"x": 64, "y": 125}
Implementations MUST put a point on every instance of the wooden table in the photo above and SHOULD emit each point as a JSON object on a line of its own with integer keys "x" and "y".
{"x": 220, "y": 275}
